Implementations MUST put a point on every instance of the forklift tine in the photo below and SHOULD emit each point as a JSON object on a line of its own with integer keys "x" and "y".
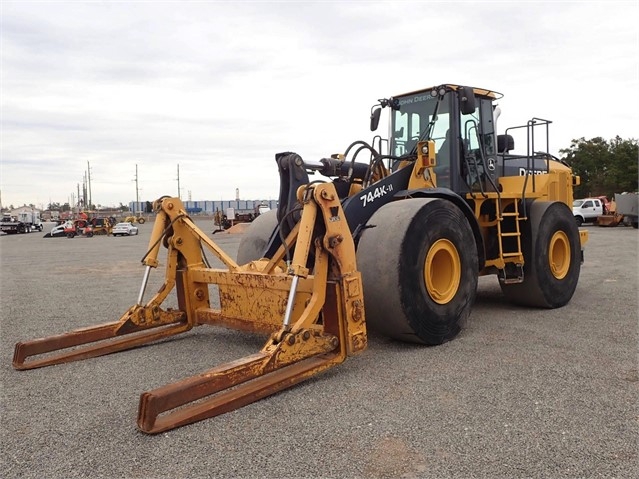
{"x": 223, "y": 389}
{"x": 98, "y": 334}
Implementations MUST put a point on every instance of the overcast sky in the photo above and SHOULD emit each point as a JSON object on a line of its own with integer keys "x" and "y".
{"x": 219, "y": 87}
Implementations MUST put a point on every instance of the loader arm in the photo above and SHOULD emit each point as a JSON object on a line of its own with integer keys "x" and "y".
{"x": 313, "y": 309}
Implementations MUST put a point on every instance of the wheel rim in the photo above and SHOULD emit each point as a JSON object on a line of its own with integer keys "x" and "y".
{"x": 559, "y": 255}
{"x": 442, "y": 271}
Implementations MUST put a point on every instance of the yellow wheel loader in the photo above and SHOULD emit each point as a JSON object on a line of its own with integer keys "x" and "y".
{"x": 393, "y": 235}
{"x": 135, "y": 219}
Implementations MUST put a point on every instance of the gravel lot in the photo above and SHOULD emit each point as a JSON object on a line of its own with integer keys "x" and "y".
{"x": 520, "y": 393}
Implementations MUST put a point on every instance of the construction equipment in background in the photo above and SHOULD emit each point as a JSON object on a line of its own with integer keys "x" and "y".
{"x": 78, "y": 227}
{"x": 395, "y": 242}
{"x": 134, "y": 219}
{"x": 231, "y": 217}
{"x": 101, "y": 226}
{"x": 610, "y": 216}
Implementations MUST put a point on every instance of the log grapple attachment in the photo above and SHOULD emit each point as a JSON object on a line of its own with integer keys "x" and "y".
{"x": 311, "y": 303}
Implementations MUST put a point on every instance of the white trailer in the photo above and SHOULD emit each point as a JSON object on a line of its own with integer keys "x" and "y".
{"x": 628, "y": 206}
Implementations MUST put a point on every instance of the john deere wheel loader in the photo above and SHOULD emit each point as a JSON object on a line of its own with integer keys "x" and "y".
{"x": 393, "y": 235}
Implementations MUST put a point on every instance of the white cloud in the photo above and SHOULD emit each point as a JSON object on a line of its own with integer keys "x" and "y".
{"x": 220, "y": 87}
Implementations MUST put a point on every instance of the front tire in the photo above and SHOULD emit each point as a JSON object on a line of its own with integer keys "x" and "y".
{"x": 419, "y": 266}
{"x": 552, "y": 255}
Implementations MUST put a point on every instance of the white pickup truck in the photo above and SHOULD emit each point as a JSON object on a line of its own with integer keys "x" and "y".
{"x": 587, "y": 210}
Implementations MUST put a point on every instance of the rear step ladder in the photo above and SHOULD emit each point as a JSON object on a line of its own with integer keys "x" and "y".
{"x": 513, "y": 259}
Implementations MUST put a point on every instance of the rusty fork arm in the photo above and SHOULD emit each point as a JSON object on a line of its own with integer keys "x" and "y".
{"x": 139, "y": 325}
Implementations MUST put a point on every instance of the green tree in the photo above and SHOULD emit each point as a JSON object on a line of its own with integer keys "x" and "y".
{"x": 605, "y": 167}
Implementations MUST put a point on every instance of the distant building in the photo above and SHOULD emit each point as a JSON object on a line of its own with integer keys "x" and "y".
{"x": 210, "y": 207}
{"x": 24, "y": 209}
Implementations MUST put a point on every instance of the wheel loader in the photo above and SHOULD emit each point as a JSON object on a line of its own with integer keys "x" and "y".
{"x": 390, "y": 235}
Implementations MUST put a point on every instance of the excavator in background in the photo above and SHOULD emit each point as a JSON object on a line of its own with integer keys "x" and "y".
{"x": 391, "y": 235}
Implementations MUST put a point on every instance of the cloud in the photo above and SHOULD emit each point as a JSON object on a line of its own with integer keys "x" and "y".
{"x": 219, "y": 87}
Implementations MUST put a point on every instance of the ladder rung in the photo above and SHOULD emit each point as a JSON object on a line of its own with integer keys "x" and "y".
{"x": 510, "y": 214}
{"x": 511, "y": 255}
{"x": 515, "y": 233}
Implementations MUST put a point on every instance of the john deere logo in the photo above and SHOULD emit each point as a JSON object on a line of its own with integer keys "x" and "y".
{"x": 491, "y": 164}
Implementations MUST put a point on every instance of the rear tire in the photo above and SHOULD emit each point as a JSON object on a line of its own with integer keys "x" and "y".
{"x": 419, "y": 270}
{"x": 256, "y": 238}
{"x": 552, "y": 255}
{"x": 141, "y": 221}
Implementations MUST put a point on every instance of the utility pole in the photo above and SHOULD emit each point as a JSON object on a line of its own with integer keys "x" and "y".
{"x": 85, "y": 195}
{"x": 89, "y": 180}
{"x": 137, "y": 194}
{"x": 178, "y": 181}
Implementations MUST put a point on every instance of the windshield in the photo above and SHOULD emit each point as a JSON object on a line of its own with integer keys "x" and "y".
{"x": 411, "y": 121}
{"x": 577, "y": 202}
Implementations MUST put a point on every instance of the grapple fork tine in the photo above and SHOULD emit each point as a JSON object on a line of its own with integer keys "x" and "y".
{"x": 100, "y": 340}
{"x": 236, "y": 384}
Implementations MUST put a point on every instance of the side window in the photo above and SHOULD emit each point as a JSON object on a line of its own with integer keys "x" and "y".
{"x": 469, "y": 130}
{"x": 474, "y": 139}
{"x": 401, "y": 133}
{"x": 587, "y": 204}
{"x": 440, "y": 130}
{"x": 414, "y": 126}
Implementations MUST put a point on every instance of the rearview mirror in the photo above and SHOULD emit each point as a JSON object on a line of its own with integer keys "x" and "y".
{"x": 466, "y": 100}
{"x": 375, "y": 118}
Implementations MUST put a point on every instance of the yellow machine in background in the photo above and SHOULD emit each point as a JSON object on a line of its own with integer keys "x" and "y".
{"x": 135, "y": 219}
{"x": 396, "y": 243}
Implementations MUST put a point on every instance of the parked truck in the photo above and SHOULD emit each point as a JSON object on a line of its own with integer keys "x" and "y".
{"x": 628, "y": 206}
{"x": 31, "y": 218}
{"x": 23, "y": 222}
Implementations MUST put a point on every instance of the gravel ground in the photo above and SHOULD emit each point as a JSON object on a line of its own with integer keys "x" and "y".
{"x": 520, "y": 393}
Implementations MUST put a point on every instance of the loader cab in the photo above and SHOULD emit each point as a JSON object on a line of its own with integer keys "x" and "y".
{"x": 460, "y": 122}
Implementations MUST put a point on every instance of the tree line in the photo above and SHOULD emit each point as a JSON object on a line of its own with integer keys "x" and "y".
{"x": 605, "y": 167}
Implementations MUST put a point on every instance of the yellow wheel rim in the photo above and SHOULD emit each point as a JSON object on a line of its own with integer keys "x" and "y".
{"x": 442, "y": 271}
{"x": 559, "y": 255}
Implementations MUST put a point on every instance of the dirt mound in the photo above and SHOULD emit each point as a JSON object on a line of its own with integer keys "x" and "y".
{"x": 238, "y": 228}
